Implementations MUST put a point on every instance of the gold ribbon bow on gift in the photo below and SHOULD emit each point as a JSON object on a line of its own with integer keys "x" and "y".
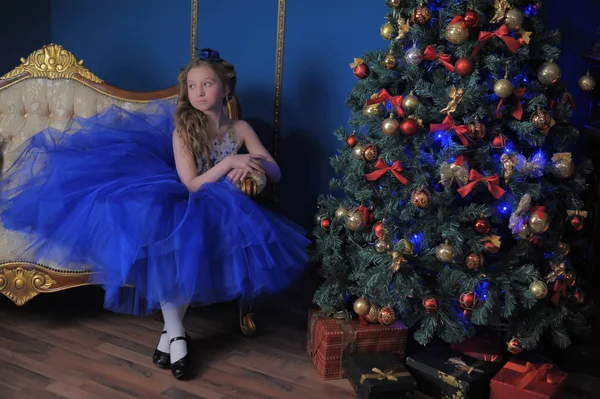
{"x": 462, "y": 366}
{"x": 389, "y": 375}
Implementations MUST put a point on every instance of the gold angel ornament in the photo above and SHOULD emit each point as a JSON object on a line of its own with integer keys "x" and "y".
{"x": 456, "y": 96}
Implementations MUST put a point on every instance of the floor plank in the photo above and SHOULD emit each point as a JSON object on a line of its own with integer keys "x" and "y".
{"x": 49, "y": 349}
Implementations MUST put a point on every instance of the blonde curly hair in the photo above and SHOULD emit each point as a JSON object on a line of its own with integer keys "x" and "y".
{"x": 192, "y": 124}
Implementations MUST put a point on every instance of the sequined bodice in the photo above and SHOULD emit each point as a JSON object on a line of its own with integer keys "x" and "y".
{"x": 220, "y": 149}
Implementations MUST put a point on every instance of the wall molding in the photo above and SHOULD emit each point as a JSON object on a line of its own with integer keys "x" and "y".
{"x": 278, "y": 75}
{"x": 194, "y": 30}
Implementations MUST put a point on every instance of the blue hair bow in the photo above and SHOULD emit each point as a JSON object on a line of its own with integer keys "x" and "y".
{"x": 209, "y": 54}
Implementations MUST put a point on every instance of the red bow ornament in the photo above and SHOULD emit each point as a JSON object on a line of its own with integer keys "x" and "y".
{"x": 518, "y": 111}
{"x": 475, "y": 178}
{"x": 448, "y": 124}
{"x": 503, "y": 34}
{"x": 382, "y": 168}
{"x": 383, "y": 96}
{"x": 430, "y": 55}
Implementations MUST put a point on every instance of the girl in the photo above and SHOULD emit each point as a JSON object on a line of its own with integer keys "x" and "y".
{"x": 150, "y": 201}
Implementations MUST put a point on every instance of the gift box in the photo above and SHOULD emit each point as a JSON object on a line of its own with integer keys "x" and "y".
{"x": 379, "y": 376}
{"x": 486, "y": 348}
{"x": 332, "y": 337}
{"x": 441, "y": 372}
{"x": 520, "y": 379}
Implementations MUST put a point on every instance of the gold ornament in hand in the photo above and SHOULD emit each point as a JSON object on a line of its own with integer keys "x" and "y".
{"x": 253, "y": 184}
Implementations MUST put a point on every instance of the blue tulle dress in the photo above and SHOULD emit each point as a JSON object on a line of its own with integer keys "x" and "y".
{"x": 105, "y": 193}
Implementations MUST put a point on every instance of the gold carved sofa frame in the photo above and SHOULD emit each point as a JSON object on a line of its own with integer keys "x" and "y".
{"x": 47, "y": 89}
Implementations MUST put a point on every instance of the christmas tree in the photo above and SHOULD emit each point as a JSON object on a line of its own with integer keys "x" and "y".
{"x": 457, "y": 189}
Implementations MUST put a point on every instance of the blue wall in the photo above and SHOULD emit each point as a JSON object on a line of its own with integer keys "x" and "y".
{"x": 29, "y": 21}
{"x": 124, "y": 48}
{"x": 321, "y": 39}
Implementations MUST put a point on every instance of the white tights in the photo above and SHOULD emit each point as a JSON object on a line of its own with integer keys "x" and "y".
{"x": 173, "y": 317}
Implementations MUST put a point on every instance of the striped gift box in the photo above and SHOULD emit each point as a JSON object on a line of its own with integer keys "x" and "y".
{"x": 329, "y": 339}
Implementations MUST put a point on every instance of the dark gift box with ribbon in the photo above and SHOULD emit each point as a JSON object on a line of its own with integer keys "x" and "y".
{"x": 444, "y": 373}
{"x": 333, "y": 336}
{"x": 519, "y": 379}
{"x": 380, "y": 375}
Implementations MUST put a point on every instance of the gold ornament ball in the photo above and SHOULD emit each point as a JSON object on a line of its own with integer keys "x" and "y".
{"x": 503, "y": 88}
{"x": 357, "y": 152}
{"x": 541, "y": 119}
{"x": 538, "y": 222}
{"x": 563, "y": 168}
{"x": 390, "y": 125}
{"x": 549, "y": 73}
{"x": 395, "y": 3}
{"x": 354, "y": 220}
{"x": 410, "y": 102}
{"x": 457, "y": 33}
{"x": 445, "y": 252}
{"x": 374, "y": 111}
{"x": 539, "y": 289}
{"x": 514, "y": 19}
{"x": 381, "y": 246}
{"x": 474, "y": 261}
{"x": 389, "y": 61}
{"x": 420, "y": 198}
{"x": 407, "y": 246}
{"x": 477, "y": 130}
{"x": 369, "y": 153}
{"x": 421, "y": 15}
{"x": 387, "y": 316}
{"x": 340, "y": 212}
{"x": 587, "y": 82}
{"x": 373, "y": 315}
{"x": 387, "y": 31}
{"x": 361, "y": 306}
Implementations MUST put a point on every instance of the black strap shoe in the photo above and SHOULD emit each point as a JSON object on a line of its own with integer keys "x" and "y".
{"x": 181, "y": 369}
{"x": 161, "y": 359}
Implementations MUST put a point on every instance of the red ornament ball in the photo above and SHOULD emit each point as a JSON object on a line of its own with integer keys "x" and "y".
{"x": 514, "y": 346}
{"x": 361, "y": 71}
{"x": 471, "y": 18}
{"x": 408, "y": 126}
{"x": 490, "y": 248}
{"x": 463, "y": 67}
{"x": 325, "y": 223}
{"x": 468, "y": 300}
{"x": 431, "y": 305}
{"x": 351, "y": 140}
{"x": 378, "y": 230}
{"x": 482, "y": 225}
{"x": 386, "y": 316}
{"x": 499, "y": 142}
{"x": 576, "y": 222}
{"x": 467, "y": 314}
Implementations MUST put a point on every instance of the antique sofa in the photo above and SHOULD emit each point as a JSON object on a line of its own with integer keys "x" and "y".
{"x": 47, "y": 89}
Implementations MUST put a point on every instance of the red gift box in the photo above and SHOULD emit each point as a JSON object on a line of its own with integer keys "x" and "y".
{"x": 329, "y": 339}
{"x": 525, "y": 380}
{"x": 484, "y": 348}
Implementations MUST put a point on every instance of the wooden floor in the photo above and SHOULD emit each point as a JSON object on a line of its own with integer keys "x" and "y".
{"x": 62, "y": 346}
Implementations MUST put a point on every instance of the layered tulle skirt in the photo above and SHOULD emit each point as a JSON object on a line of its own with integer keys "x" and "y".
{"x": 105, "y": 194}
